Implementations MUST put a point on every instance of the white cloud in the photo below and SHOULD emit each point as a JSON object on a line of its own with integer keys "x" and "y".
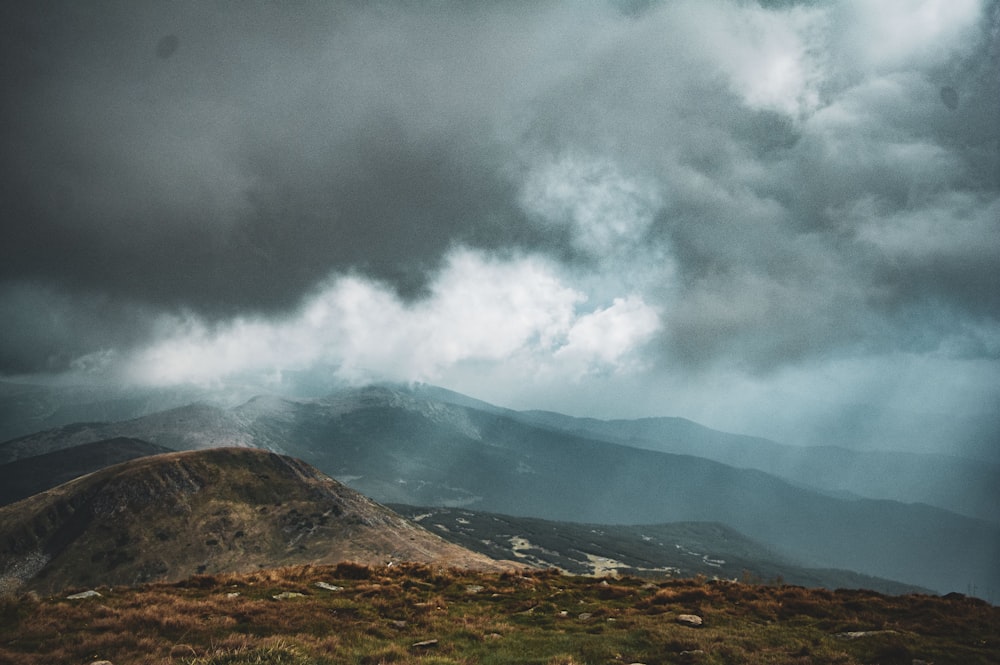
{"x": 602, "y": 338}
{"x": 605, "y": 209}
{"x": 771, "y": 58}
{"x": 489, "y": 312}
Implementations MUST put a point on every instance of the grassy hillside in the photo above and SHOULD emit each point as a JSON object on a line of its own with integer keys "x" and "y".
{"x": 228, "y": 509}
{"x": 419, "y": 614}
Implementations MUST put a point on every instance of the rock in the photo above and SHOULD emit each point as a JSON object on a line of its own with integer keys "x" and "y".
{"x": 328, "y": 587}
{"x": 692, "y": 620}
{"x": 583, "y": 616}
{"x": 473, "y": 588}
{"x": 101, "y": 662}
{"x": 84, "y": 594}
{"x": 857, "y": 634}
{"x": 426, "y": 644}
{"x": 285, "y": 595}
{"x": 398, "y": 623}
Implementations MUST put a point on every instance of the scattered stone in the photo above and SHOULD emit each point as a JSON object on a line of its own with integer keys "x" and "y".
{"x": 473, "y": 588}
{"x": 285, "y": 595}
{"x": 426, "y": 644}
{"x": 329, "y": 587}
{"x": 84, "y": 594}
{"x": 398, "y": 623}
{"x": 233, "y": 594}
{"x": 101, "y": 662}
{"x": 583, "y": 616}
{"x": 857, "y": 634}
{"x": 692, "y": 620}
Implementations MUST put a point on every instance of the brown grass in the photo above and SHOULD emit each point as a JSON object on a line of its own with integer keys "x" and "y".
{"x": 532, "y": 617}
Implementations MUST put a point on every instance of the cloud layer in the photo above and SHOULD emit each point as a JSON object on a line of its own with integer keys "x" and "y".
{"x": 479, "y": 311}
{"x": 678, "y": 203}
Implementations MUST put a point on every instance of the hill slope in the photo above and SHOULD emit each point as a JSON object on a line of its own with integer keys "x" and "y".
{"x": 679, "y": 549}
{"x": 170, "y": 516}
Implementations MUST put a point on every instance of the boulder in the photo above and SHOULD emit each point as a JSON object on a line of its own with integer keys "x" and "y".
{"x": 84, "y": 594}
{"x": 692, "y": 620}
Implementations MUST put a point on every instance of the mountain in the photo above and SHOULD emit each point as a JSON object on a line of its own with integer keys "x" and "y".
{"x": 967, "y": 486}
{"x": 191, "y": 427}
{"x": 21, "y": 479}
{"x": 680, "y": 549}
{"x": 170, "y": 516}
{"x": 399, "y": 446}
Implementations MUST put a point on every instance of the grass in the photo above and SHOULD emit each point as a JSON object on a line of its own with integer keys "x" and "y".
{"x": 415, "y": 614}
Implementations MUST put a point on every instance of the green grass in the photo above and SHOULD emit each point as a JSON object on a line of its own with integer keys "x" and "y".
{"x": 414, "y": 614}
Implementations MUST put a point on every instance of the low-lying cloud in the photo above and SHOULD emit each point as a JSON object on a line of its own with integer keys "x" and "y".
{"x": 478, "y": 311}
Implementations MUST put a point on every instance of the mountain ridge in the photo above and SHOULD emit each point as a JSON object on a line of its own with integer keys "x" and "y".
{"x": 400, "y": 447}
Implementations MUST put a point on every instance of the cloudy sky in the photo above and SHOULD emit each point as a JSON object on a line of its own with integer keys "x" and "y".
{"x": 752, "y": 214}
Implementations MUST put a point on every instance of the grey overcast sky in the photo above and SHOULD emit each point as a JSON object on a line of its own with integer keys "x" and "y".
{"x": 752, "y": 214}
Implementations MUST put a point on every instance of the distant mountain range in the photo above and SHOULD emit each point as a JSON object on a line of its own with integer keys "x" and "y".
{"x": 170, "y": 516}
{"x": 424, "y": 446}
{"x": 966, "y": 486}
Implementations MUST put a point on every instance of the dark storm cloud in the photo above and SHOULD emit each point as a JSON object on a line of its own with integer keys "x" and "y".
{"x": 239, "y": 171}
{"x": 50, "y": 331}
{"x": 785, "y": 183}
